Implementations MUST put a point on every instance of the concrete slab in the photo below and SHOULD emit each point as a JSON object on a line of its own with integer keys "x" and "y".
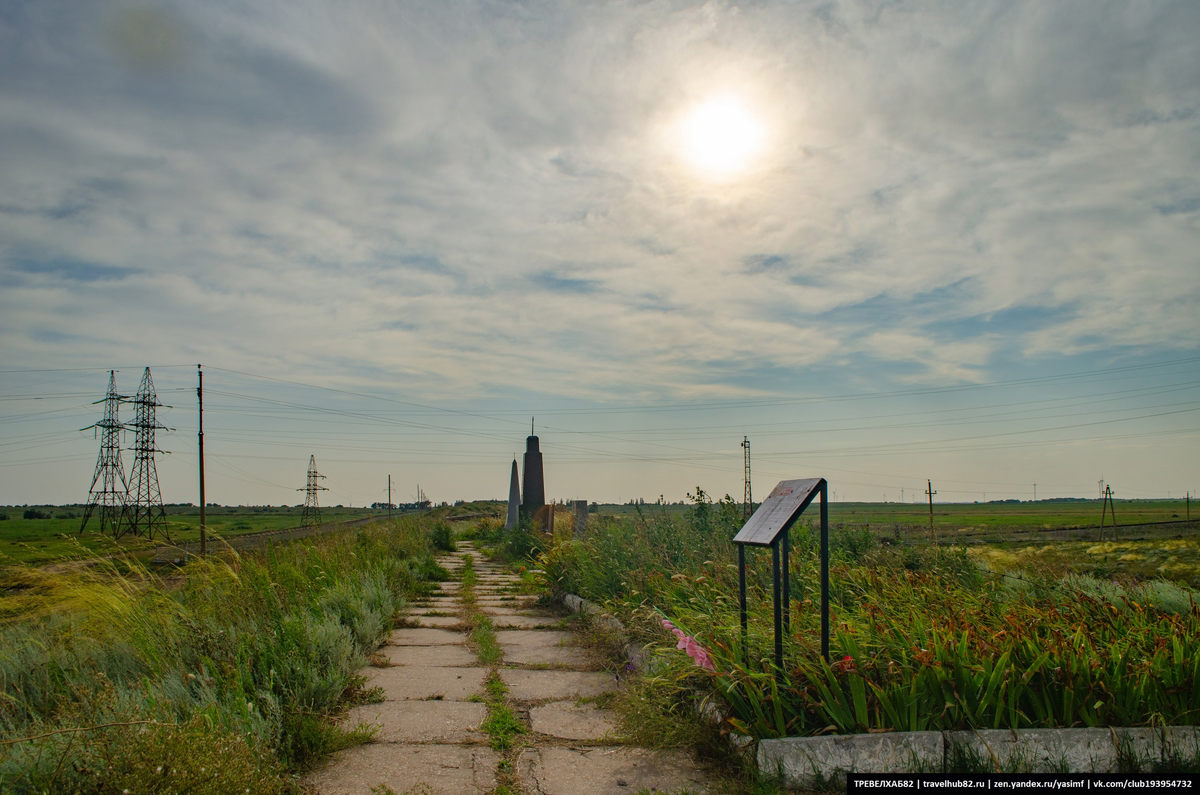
{"x": 452, "y": 656}
{"x": 436, "y": 621}
{"x": 533, "y": 638}
{"x": 425, "y": 637}
{"x": 800, "y": 760}
{"x": 572, "y": 721}
{"x": 555, "y": 685}
{"x": 514, "y": 603}
{"x": 419, "y": 682}
{"x": 541, "y": 647}
{"x": 423, "y": 721}
{"x": 444, "y": 769}
{"x": 608, "y": 771}
{"x": 518, "y": 621}
{"x": 1037, "y": 750}
{"x": 445, "y": 602}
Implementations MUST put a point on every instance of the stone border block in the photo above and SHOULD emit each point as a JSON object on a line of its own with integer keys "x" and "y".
{"x": 1035, "y": 750}
{"x": 816, "y": 761}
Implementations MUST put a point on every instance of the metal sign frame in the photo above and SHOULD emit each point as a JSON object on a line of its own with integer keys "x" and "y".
{"x": 769, "y": 527}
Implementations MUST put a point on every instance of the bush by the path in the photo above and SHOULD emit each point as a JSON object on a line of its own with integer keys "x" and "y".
{"x": 222, "y": 679}
{"x": 923, "y": 638}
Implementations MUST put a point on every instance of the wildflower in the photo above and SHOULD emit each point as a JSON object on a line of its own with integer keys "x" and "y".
{"x": 692, "y": 647}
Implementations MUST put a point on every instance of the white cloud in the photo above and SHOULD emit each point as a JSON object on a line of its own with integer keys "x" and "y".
{"x": 485, "y": 200}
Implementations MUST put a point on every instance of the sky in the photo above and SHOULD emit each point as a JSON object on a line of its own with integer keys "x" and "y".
{"x": 888, "y": 242}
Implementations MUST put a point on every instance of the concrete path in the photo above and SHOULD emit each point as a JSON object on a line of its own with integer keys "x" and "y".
{"x": 430, "y": 741}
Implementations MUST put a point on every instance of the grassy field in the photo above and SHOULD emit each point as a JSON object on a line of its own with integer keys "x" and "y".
{"x": 37, "y": 541}
{"x": 1040, "y": 515}
{"x": 924, "y": 636}
{"x": 1052, "y": 537}
{"x": 228, "y": 676}
{"x": 42, "y": 541}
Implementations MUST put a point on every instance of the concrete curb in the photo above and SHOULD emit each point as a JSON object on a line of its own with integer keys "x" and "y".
{"x": 823, "y": 761}
{"x": 818, "y": 761}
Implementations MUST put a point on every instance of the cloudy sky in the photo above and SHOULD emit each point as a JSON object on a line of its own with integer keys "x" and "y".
{"x": 888, "y": 241}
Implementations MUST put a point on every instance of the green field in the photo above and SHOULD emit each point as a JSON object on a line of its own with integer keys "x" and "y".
{"x": 40, "y": 541}
{"x": 1043, "y": 514}
{"x": 45, "y": 540}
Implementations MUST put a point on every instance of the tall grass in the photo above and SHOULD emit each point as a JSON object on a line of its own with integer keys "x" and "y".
{"x": 923, "y": 639}
{"x": 252, "y": 656}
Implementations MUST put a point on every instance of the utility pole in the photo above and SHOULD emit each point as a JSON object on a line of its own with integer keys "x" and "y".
{"x": 747, "y": 497}
{"x": 389, "y": 498}
{"x": 203, "y": 524}
{"x": 930, "y": 492}
{"x": 1035, "y": 492}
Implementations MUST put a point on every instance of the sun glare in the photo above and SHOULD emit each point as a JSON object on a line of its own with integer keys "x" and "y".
{"x": 721, "y": 137}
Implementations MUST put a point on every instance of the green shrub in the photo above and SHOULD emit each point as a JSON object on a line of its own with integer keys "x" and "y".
{"x": 260, "y": 649}
{"x": 442, "y": 537}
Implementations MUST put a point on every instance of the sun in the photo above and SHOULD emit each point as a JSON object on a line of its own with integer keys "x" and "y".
{"x": 721, "y": 137}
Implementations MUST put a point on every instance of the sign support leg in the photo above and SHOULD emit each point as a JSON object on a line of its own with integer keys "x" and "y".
{"x": 742, "y": 603}
{"x": 825, "y": 570}
{"x": 778, "y": 611}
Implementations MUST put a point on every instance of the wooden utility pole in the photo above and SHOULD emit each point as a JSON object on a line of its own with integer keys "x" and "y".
{"x": 1107, "y": 507}
{"x": 389, "y": 498}
{"x": 203, "y": 523}
{"x": 930, "y": 492}
{"x": 747, "y": 496}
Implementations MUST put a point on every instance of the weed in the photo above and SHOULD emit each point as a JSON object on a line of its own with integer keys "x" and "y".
{"x": 503, "y": 726}
{"x": 309, "y": 738}
{"x": 483, "y": 636}
{"x": 496, "y": 689}
{"x": 442, "y": 537}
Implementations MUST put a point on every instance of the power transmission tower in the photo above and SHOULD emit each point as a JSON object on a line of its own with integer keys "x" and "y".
{"x": 747, "y": 497}
{"x": 144, "y": 509}
{"x": 311, "y": 517}
{"x": 110, "y": 475}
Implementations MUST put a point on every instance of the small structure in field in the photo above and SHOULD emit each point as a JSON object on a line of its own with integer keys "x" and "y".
{"x": 514, "y": 499}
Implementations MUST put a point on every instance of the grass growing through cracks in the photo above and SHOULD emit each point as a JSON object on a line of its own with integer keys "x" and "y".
{"x": 501, "y": 724}
{"x": 116, "y": 681}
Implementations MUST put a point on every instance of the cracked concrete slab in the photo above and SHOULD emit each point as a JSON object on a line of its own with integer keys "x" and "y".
{"x": 518, "y": 621}
{"x": 541, "y": 647}
{"x": 452, "y": 656}
{"x": 436, "y": 621}
{"x": 444, "y": 769}
{"x": 608, "y": 771}
{"x": 420, "y": 682}
{"x": 573, "y": 721}
{"x": 423, "y": 721}
{"x": 425, "y": 637}
{"x": 555, "y": 685}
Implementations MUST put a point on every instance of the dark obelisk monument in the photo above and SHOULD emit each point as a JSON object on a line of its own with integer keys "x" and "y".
{"x": 514, "y": 499}
{"x": 534, "y": 498}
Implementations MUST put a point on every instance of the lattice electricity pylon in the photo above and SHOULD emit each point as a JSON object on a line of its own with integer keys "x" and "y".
{"x": 144, "y": 514}
{"x": 311, "y": 517}
{"x": 109, "y": 487}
